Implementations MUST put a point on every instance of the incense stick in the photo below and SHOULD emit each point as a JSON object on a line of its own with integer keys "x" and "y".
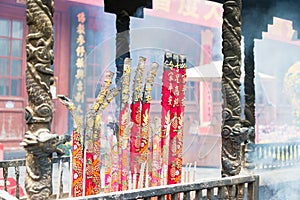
{"x": 123, "y": 124}
{"x": 135, "y": 117}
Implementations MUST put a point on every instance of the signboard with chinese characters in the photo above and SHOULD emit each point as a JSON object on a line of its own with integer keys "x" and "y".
{"x": 204, "y": 13}
{"x": 77, "y": 82}
{"x": 79, "y": 94}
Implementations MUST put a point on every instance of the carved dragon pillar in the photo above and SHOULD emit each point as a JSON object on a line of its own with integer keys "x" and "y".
{"x": 39, "y": 142}
{"x": 249, "y": 109}
{"x": 249, "y": 84}
{"x": 249, "y": 87}
{"x": 231, "y": 126}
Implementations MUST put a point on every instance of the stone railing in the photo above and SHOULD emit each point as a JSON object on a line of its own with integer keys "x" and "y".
{"x": 237, "y": 187}
{"x": 13, "y": 176}
{"x": 266, "y": 156}
{"x": 276, "y": 155}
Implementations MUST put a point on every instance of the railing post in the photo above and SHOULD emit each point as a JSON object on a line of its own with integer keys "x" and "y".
{"x": 5, "y": 175}
{"x": 253, "y": 189}
{"x": 283, "y": 147}
{"x": 221, "y": 193}
{"x": 187, "y": 195}
{"x": 276, "y": 156}
{"x": 270, "y": 156}
{"x": 297, "y": 153}
{"x": 210, "y": 193}
{"x": 17, "y": 173}
{"x": 198, "y": 194}
{"x": 293, "y": 153}
{"x": 231, "y": 192}
{"x": 174, "y": 196}
{"x": 162, "y": 197}
{"x": 289, "y": 154}
{"x": 249, "y": 156}
{"x": 265, "y": 156}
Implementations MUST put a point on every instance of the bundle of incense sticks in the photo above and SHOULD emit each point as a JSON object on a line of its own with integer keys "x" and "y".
{"x": 77, "y": 148}
{"x": 173, "y": 78}
{"x": 156, "y": 153}
{"x": 124, "y": 124}
{"x": 166, "y": 101}
{"x": 189, "y": 175}
{"x": 145, "y": 121}
{"x": 177, "y": 81}
{"x": 86, "y": 143}
{"x": 96, "y": 170}
{"x": 92, "y": 136}
{"x": 124, "y": 158}
{"x": 77, "y": 164}
{"x": 114, "y": 153}
{"x": 173, "y": 94}
{"x": 115, "y": 165}
{"x": 108, "y": 164}
{"x": 194, "y": 172}
{"x": 110, "y": 95}
{"x": 180, "y": 110}
{"x": 135, "y": 117}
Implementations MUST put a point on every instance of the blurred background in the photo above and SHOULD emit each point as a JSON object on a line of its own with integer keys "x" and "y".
{"x": 85, "y": 44}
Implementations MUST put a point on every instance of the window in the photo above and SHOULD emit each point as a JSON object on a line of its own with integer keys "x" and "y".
{"x": 190, "y": 91}
{"x": 217, "y": 92}
{"x": 11, "y": 57}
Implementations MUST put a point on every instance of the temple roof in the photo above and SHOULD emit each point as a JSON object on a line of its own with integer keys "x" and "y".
{"x": 257, "y": 14}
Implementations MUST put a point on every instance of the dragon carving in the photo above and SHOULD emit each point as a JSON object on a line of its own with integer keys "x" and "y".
{"x": 39, "y": 142}
{"x": 233, "y": 132}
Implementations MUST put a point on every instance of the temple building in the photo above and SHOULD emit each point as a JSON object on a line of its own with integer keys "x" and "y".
{"x": 84, "y": 49}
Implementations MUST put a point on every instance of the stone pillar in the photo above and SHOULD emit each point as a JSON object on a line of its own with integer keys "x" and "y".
{"x": 39, "y": 142}
{"x": 249, "y": 108}
{"x": 231, "y": 108}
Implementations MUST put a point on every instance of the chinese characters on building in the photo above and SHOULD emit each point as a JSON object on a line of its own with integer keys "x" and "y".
{"x": 79, "y": 92}
{"x": 195, "y": 11}
{"x": 182, "y": 7}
